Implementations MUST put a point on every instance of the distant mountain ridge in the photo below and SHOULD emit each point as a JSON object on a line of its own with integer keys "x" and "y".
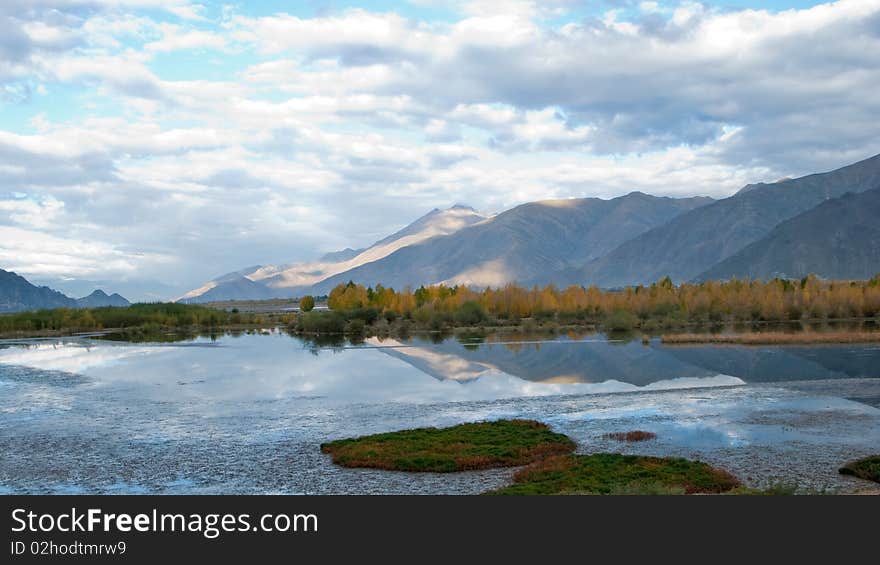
{"x": 271, "y": 281}
{"x": 628, "y": 240}
{"x": 17, "y": 294}
{"x": 99, "y": 298}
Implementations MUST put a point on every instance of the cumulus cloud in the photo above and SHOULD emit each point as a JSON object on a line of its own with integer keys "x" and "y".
{"x": 31, "y": 251}
{"x": 196, "y": 139}
{"x": 669, "y": 76}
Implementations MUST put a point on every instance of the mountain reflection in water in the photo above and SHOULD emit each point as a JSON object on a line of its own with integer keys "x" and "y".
{"x": 598, "y": 360}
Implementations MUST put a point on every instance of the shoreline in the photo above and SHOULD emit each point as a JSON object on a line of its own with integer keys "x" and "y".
{"x": 135, "y": 330}
{"x": 798, "y": 337}
{"x": 772, "y": 338}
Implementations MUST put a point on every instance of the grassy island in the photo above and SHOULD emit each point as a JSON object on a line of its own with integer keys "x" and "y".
{"x": 635, "y": 435}
{"x": 481, "y": 445}
{"x": 867, "y": 468}
{"x": 552, "y": 466}
{"x": 613, "y": 473}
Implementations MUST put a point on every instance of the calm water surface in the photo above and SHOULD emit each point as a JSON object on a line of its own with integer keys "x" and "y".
{"x": 246, "y": 414}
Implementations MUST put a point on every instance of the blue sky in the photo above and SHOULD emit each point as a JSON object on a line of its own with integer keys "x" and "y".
{"x": 150, "y": 145}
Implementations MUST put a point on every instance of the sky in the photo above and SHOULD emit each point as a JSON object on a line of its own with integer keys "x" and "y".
{"x": 147, "y": 146}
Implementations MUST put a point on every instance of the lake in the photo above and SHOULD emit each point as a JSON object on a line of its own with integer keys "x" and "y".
{"x": 247, "y": 413}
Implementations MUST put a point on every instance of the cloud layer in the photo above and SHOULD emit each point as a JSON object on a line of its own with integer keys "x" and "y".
{"x": 171, "y": 141}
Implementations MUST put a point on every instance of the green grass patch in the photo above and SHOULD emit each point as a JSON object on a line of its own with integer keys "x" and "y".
{"x": 612, "y": 473}
{"x": 867, "y": 468}
{"x": 481, "y": 445}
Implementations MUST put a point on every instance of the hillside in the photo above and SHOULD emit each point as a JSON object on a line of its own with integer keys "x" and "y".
{"x": 839, "y": 239}
{"x": 694, "y": 242}
{"x": 17, "y": 294}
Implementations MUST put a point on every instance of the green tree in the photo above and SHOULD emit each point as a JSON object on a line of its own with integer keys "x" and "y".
{"x": 422, "y": 295}
{"x": 307, "y": 303}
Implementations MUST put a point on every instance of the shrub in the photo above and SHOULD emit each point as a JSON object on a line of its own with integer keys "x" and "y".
{"x": 366, "y": 315}
{"x": 470, "y": 313}
{"x": 620, "y": 320}
{"x": 355, "y": 327}
{"x": 321, "y": 322}
{"x": 307, "y": 303}
{"x": 439, "y": 320}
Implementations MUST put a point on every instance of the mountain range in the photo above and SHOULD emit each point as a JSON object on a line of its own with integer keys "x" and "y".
{"x": 695, "y": 242}
{"x": 821, "y": 223}
{"x": 17, "y": 294}
{"x": 259, "y": 282}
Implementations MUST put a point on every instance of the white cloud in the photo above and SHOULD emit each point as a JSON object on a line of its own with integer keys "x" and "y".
{"x": 308, "y": 133}
{"x": 355, "y": 28}
{"x": 33, "y": 213}
{"x": 174, "y": 39}
{"x": 30, "y": 252}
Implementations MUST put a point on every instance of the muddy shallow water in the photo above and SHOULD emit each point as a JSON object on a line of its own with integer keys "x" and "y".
{"x": 247, "y": 414}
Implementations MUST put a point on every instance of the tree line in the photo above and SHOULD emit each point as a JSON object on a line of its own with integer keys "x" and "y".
{"x": 354, "y": 307}
{"x": 150, "y": 316}
{"x": 660, "y": 304}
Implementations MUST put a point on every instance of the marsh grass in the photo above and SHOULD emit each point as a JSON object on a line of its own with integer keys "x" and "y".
{"x": 635, "y": 435}
{"x": 613, "y": 473}
{"x": 774, "y": 338}
{"x": 481, "y": 445}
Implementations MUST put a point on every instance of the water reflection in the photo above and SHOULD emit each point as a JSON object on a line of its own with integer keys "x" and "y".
{"x": 466, "y": 366}
{"x": 577, "y": 359}
{"x": 247, "y": 412}
{"x": 559, "y": 361}
{"x": 270, "y": 368}
{"x": 782, "y": 363}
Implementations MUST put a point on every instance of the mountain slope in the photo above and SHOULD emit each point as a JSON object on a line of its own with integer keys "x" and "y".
{"x": 532, "y": 243}
{"x": 238, "y": 288}
{"x": 17, "y": 294}
{"x": 433, "y": 224}
{"x": 838, "y": 239}
{"x": 230, "y": 284}
{"x": 695, "y": 241}
{"x": 342, "y": 255}
{"x": 290, "y": 280}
